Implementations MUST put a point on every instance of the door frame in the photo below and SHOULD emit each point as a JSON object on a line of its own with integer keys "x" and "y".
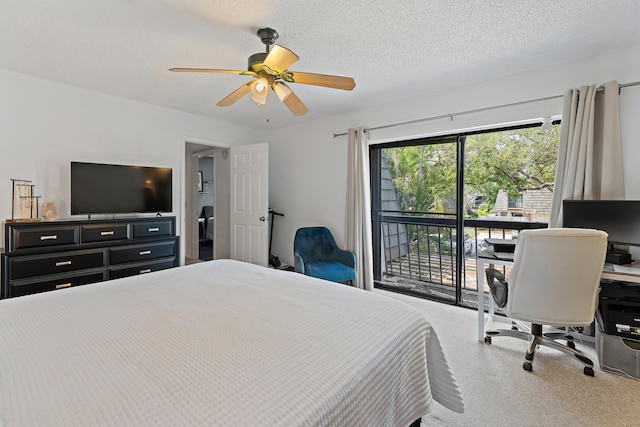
{"x": 188, "y": 192}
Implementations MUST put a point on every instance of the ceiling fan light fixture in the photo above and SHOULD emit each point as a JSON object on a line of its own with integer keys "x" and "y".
{"x": 270, "y": 70}
{"x": 260, "y": 88}
{"x": 282, "y": 90}
{"x": 261, "y": 100}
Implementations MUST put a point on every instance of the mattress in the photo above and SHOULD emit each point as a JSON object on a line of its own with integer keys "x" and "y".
{"x": 220, "y": 343}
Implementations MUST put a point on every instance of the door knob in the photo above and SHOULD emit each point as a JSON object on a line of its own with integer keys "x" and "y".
{"x": 262, "y": 218}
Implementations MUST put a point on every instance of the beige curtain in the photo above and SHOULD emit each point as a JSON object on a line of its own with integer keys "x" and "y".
{"x": 358, "y": 226}
{"x": 590, "y": 154}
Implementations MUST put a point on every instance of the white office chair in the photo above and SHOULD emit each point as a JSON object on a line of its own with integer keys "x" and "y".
{"x": 555, "y": 280}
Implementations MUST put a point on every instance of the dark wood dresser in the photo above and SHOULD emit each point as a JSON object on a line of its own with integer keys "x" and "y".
{"x": 45, "y": 256}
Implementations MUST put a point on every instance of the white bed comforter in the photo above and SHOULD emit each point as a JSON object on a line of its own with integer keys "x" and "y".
{"x": 220, "y": 343}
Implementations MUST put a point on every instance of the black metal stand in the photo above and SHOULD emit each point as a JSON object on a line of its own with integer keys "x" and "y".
{"x": 274, "y": 261}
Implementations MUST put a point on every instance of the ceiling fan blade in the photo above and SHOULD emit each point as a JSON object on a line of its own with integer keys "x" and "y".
{"x": 235, "y": 95}
{"x": 294, "y": 105}
{"x": 212, "y": 70}
{"x": 324, "y": 80}
{"x": 279, "y": 59}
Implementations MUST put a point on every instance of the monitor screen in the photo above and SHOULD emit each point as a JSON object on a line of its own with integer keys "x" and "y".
{"x": 618, "y": 218}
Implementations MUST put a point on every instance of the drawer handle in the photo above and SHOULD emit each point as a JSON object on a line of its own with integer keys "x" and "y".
{"x": 144, "y": 253}
{"x": 63, "y": 285}
{"x": 150, "y": 230}
{"x": 61, "y": 263}
{"x": 51, "y": 237}
{"x": 106, "y": 233}
{"x": 148, "y": 270}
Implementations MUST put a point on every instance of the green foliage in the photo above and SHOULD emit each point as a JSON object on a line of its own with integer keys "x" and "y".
{"x": 514, "y": 161}
{"x": 431, "y": 240}
{"x": 424, "y": 176}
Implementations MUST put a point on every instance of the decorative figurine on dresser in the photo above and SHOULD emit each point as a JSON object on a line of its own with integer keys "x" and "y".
{"x": 24, "y": 203}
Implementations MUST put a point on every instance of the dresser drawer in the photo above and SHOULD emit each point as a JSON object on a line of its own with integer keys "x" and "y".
{"x": 103, "y": 232}
{"x": 152, "y": 229}
{"x": 140, "y": 268}
{"x": 60, "y": 262}
{"x": 39, "y": 237}
{"x": 136, "y": 253}
{"x": 26, "y": 287}
{"x": 48, "y": 255}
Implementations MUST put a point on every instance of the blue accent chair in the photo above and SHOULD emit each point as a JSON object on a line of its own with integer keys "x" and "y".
{"x": 316, "y": 254}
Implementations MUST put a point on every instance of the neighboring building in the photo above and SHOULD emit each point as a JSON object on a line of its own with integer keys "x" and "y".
{"x": 394, "y": 236}
{"x": 535, "y": 205}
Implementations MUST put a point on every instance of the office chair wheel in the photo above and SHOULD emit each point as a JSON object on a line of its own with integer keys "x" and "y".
{"x": 487, "y": 340}
{"x": 589, "y": 371}
{"x": 527, "y": 366}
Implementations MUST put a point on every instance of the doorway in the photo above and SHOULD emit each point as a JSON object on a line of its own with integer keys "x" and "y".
{"x": 205, "y": 211}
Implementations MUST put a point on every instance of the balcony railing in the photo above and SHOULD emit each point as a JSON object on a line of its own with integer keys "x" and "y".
{"x": 418, "y": 253}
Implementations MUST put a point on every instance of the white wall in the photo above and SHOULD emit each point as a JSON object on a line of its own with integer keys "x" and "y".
{"x": 45, "y": 125}
{"x": 308, "y": 165}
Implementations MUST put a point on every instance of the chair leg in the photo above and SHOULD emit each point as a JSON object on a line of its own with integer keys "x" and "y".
{"x": 579, "y": 355}
{"x": 523, "y": 335}
{"x": 536, "y": 334}
{"x": 561, "y": 336}
{"x": 536, "y": 338}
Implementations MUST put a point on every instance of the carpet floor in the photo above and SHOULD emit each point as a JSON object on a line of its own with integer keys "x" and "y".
{"x": 498, "y": 392}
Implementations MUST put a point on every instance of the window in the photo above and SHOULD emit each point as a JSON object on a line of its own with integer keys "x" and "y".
{"x": 432, "y": 196}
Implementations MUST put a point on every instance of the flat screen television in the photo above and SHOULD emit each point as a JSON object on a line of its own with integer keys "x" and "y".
{"x": 619, "y": 218}
{"x": 98, "y": 188}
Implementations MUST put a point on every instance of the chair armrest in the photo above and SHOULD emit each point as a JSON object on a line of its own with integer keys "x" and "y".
{"x": 298, "y": 263}
{"x": 498, "y": 286}
{"x": 345, "y": 257}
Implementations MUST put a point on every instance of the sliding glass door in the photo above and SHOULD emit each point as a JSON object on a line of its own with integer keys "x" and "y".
{"x": 415, "y": 217}
{"x": 435, "y": 201}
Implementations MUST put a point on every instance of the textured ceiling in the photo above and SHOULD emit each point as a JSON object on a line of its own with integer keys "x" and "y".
{"x": 394, "y": 49}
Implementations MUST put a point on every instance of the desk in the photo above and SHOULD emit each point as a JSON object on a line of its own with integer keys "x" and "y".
{"x": 486, "y": 257}
{"x": 625, "y": 273}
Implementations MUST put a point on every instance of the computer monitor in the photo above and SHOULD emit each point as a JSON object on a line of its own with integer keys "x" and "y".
{"x": 620, "y": 219}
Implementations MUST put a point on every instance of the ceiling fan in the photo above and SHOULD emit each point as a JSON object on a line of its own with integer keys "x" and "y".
{"x": 270, "y": 70}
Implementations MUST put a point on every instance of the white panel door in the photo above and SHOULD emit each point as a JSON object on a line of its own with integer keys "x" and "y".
{"x": 250, "y": 203}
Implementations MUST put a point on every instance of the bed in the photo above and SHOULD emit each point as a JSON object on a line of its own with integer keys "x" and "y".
{"x": 220, "y": 343}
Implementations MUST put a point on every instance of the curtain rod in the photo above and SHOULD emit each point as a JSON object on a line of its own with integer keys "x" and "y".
{"x": 477, "y": 110}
